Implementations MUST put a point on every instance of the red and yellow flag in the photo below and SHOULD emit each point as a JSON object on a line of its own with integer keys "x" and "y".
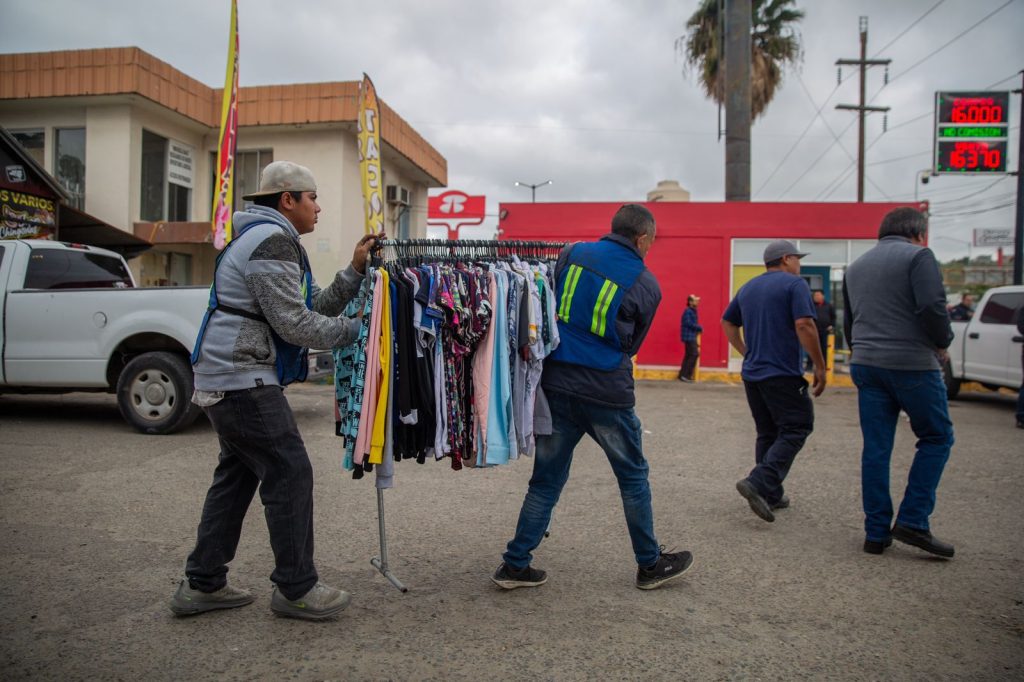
{"x": 369, "y": 156}
{"x": 223, "y": 199}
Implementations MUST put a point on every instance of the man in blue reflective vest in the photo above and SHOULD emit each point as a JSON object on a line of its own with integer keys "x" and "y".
{"x": 606, "y": 303}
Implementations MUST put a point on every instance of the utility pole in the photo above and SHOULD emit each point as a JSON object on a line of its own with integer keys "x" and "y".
{"x": 738, "y": 19}
{"x": 862, "y": 108}
{"x": 1018, "y": 232}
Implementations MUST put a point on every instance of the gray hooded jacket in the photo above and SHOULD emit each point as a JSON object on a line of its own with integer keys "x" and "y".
{"x": 262, "y": 273}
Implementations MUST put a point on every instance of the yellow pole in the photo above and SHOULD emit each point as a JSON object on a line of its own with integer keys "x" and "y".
{"x": 696, "y": 367}
{"x": 830, "y": 358}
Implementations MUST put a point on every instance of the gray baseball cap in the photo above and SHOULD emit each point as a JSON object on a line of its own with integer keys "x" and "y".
{"x": 283, "y": 176}
{"x": 779, "y": 248}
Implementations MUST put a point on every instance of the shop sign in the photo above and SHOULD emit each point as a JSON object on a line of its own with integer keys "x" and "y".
{"x": 26, "y": 216}
{"x": 180, "y": 163}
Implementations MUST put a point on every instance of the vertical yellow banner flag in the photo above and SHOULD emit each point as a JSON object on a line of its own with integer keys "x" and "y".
{"x": 223, "y": 191}
{"x": 369, "y": 156}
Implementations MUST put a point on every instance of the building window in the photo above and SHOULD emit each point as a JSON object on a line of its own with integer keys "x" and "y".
{"x": 69, "y": 164}
{"x": 248, "y": 166}
{"x": 164, "y": 197}
{"x": 33, "y": 141}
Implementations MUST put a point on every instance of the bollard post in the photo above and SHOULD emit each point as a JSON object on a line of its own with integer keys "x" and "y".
{"x": 830, "y": 358}
{"x": 696, "y": 368}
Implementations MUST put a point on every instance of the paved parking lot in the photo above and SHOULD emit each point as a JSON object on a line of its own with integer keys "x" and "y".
{"x": 97, "y": 521}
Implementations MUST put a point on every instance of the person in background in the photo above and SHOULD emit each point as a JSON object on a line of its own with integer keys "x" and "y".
{"x": 896, "y": 324}
{"x": 607, "y": 299}
{"x": 265, "y": 311}
{"x": 964, "y": 310}
{"x": 689, "y": 328}
{"x": 776, "y": 315}
{"x": 824, "y": 321}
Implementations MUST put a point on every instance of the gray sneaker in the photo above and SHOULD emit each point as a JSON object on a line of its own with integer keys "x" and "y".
{"x": 188, "y": 602}
{"x": 320, "y": 603}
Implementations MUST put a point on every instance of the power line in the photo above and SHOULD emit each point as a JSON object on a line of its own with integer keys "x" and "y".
{"x": 912, "y": 25}
{"x": 975, "y": 212}
{"x": 899, "y": 158}
{"x": 817, "y": 115}
{"x": 952, "y": 40}
{"x": 981, "y": 202}
{"x": 967, "y": 196}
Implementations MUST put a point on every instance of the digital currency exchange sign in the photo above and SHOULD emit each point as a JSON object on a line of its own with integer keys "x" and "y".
{"x": 971, "y": 132}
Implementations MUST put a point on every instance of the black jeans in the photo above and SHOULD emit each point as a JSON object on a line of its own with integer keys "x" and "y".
{"x": 689, "y": 359}
{"x": 260, "y": 446}
{"x": 784, "y": 417}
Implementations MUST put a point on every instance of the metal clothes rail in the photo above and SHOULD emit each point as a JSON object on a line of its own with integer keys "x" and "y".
{"x": 410, "y": 251}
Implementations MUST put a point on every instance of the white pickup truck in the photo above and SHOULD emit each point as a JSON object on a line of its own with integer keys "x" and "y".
{"x": 73, "y": 320}
{"x": 987, "y": 348}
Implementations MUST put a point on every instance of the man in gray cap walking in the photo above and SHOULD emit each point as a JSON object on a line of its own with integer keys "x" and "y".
{"x": 265, "y": 312}
{"x": 776, "y": 314}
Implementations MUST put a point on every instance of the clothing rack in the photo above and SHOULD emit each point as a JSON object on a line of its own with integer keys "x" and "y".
{"x": 416, "y": 251}
{"x": 449, "y": 250}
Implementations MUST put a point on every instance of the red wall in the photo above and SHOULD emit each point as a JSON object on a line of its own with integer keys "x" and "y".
{"x": 692, "y": 252}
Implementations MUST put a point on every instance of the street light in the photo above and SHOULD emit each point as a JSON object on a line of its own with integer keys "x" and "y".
{"x": 533, "y": 188}
{"x": 922, "y": 179}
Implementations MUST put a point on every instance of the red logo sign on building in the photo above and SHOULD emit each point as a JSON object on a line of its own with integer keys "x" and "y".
{"x": 454, "y": 209}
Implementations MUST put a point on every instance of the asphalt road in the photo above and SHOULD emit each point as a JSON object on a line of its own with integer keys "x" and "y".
{"x": 97, "y": 520}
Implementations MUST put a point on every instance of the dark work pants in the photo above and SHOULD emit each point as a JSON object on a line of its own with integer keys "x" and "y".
{"x": 689, "y": 359}
{"x": 260, "y": 446}
{"x": 784, "y": 417}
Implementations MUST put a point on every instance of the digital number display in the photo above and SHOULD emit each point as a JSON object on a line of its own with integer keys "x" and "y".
{"x": 990, "y": 108}
{"x": 970, "y": 156}
{"x": 971, "y": 131}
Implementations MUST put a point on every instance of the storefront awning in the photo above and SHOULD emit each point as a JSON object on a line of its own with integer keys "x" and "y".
{"x": 82, "y": 228}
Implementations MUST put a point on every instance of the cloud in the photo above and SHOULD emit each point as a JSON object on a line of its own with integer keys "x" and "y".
{"x": 591, "y": 94}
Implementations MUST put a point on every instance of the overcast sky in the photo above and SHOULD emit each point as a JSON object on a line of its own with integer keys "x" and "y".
{"x": 592, "y": 94}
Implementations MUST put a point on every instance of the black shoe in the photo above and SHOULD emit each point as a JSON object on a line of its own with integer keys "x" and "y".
{"x": 783, "y": 503}
{"x": 511, "y": 578}
{"x": 667, "y": 567}
{"x": 922, "y": 539}
{"x": 877, "y": 546}
{"x": 1020, "y": 424}
{"x": 757, "y": 503}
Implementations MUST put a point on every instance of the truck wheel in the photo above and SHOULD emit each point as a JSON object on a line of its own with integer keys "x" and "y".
{"x": 952, "y": 385}
{"x": 154, "y": 393}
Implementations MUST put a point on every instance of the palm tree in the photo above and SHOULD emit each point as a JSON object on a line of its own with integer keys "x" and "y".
{"x": 775, "y": 42}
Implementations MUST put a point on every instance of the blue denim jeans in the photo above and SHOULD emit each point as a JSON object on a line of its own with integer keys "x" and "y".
{"x": 617, "y": 431}
{"x": 260, "y": 446}
{"x": 784, "y": 418}
{"x": 881, "y": 394}
{"x": 1020, "y": 393}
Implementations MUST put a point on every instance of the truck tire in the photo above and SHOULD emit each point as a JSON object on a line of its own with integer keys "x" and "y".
{"x": 952, "y": 385}
{"x": 154, "y": 393}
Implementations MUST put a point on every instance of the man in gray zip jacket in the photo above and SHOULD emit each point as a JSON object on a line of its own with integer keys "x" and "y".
{"x": 897, "y": 325}
{"x": 262, "y": 310}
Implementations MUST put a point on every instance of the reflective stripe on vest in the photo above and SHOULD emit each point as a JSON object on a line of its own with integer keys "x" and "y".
{"x": 604, "y": 299}
{"x": 570, "y": 288}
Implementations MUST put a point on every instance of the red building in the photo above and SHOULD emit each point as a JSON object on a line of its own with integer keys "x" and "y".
{"x": 711, "y": 249}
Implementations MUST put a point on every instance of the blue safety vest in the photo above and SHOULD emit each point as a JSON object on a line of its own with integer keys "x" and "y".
{"x": 292, "y": 360}
{"x": 596, "y": 278}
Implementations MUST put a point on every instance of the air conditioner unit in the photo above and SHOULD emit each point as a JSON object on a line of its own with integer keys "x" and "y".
{"x": 396, "y": 194}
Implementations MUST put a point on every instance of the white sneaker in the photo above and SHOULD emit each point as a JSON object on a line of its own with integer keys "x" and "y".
{"x": 320, "y": 603}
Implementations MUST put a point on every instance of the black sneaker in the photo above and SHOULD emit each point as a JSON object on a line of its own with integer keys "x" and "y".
{"x": 668, "y": 566}
{"x": 510, "y": 578}
{"x": 783, "y": 503}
